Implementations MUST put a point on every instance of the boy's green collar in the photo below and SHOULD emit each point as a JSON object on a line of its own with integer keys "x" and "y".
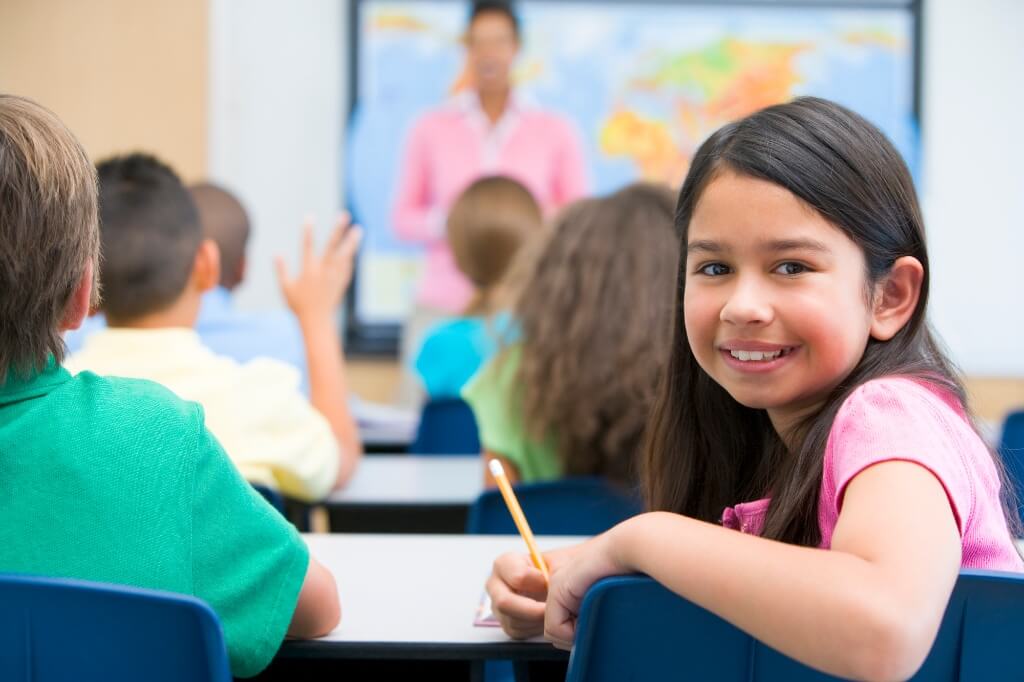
{"x": 37, "y": 383}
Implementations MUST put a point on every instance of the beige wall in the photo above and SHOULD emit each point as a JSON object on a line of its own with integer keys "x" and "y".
{"x": 991, "y": 398}
{"x": 122, "y": 74}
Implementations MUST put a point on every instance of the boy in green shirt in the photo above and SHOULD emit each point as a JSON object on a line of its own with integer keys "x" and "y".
{"x": 118, "y": 480}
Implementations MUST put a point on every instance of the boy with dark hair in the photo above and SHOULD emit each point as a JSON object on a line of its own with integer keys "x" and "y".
{"x": 224, "y": 329}
{"x": 156, "y": 267}
{"x": 117, "y": 480}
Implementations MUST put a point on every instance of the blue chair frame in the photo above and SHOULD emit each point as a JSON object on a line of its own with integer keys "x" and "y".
{"x": 1011, "y": 448}
{"x": 60, "y": 629}
{"x": 632, "y": 628}
{"x": 570, "y": 506}
{"x": 447, "y": 427}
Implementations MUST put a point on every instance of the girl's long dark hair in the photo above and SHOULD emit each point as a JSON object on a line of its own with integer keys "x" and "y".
{"x": 704, "y": 450}
{"x": 595, "y": 312}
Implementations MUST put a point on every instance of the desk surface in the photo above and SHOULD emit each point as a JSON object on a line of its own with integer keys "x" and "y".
{"x": 377, "y": 438}
{"x": 415, "y": 596}
{"x": 395, "y": 480}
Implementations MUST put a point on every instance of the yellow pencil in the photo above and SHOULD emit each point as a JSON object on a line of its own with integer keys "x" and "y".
{"x": 498, "y": 472}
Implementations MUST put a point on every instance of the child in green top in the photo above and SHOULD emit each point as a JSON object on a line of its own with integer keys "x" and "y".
{"x": 594, "y": 316}
{"x": 117, "y": 480}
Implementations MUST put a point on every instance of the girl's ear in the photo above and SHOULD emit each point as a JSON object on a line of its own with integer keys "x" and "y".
{"x": 895, "y": 297}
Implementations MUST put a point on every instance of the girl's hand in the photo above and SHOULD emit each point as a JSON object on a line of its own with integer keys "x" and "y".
{"x": 321, "y": 283}
{"x": 518, "y": 591}
{"x": 592, "y": 561}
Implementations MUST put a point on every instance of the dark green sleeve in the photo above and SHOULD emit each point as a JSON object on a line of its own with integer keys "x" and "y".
{"x": 248, "y": 562}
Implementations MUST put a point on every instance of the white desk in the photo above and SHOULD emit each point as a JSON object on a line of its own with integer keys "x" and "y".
{"x": 414, "y": 480}
{"x": 415, "y": 597}
{"x": 407, "y": 494}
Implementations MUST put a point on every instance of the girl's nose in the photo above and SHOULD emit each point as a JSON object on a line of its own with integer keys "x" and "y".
{"x": 747, "y": 304}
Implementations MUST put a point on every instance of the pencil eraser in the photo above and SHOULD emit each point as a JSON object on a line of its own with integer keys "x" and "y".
{"x": 496, "y": 468}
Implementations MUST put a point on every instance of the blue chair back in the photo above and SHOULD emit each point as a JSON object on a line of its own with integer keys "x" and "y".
{"x": 56, "y": 629}
{"x": 570, "y": 506}
{"x": 447, "y": 427}
{"x": 632, "y": 628}
{"x": 1011, "y": 447}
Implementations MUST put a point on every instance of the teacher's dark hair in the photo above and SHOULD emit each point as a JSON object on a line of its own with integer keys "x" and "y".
{"x": 499, "y": 7}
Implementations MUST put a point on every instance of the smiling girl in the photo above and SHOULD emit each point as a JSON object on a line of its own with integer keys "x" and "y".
{"x": 816, "y": 476}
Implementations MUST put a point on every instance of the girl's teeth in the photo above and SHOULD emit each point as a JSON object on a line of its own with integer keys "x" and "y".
{"x": 754, "y": 355}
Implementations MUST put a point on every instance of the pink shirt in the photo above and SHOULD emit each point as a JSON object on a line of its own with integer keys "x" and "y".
{"x": 454, "y": 145}
{"x": 897, "y": 418}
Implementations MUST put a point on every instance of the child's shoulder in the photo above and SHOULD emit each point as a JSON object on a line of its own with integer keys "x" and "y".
{"x": 136, "y": 410}
{"x": 900, "y": 392}
{"x": 902, "y": 404}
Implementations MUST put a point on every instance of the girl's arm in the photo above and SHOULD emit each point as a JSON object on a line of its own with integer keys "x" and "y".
{"x": 869, "y": 608}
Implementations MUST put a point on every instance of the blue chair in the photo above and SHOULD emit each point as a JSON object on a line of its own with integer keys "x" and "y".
{"x": 447, "y": 427}
{"x": 57, "y": 629}
{"x": 1011, "y": 447}
{"x": 632, "y": 628}
{"x": 570, "y": 506}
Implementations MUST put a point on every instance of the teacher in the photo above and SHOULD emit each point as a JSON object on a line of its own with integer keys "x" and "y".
{"x": 487, "y": 129}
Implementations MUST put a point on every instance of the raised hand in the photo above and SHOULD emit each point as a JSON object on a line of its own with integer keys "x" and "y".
{"x": 323, "y": 278}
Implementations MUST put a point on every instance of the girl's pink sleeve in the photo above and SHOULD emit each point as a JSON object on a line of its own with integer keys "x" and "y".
{"x": 895, "y": 418}
{"x": 571, "y": 175}
{"x": 415, "y": 216}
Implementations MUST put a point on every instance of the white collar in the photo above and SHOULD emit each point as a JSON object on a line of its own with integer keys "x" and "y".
{"x": 468, "y": 102}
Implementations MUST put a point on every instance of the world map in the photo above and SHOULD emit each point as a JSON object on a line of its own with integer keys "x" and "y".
{"x": 644, "y": 83}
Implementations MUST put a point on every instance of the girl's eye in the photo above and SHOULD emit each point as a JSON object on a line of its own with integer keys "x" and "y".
{"x": 714, "y": 270}
{"x": 791, "y": 268}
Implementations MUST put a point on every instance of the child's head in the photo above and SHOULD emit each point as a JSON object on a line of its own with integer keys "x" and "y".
{"x": 49, "y": 238}
{"x": 805, "y": 275}
{"x": 487, "y": 224}
{"x": 596, "y": 313}
{"x": 153, "y": 246}
{"x": 224, "y": 220}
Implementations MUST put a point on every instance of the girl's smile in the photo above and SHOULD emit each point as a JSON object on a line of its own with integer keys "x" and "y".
{"x": 756, "y": 357}
{"x": 777, "y": 307}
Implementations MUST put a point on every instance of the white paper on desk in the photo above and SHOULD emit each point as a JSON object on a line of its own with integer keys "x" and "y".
{"x": 485, "y": 617}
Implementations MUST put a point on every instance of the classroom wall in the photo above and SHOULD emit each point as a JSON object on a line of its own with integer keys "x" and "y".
{"x": 122, "y": 74}
{"x": 973, "y": 184}
{"x": 277, "y": 105}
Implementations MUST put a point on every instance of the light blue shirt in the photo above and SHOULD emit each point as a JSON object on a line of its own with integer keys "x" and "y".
{"x": 242, "y": 336}
{"x": 454, "y": 350}
{"x": 245, "y": 336}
